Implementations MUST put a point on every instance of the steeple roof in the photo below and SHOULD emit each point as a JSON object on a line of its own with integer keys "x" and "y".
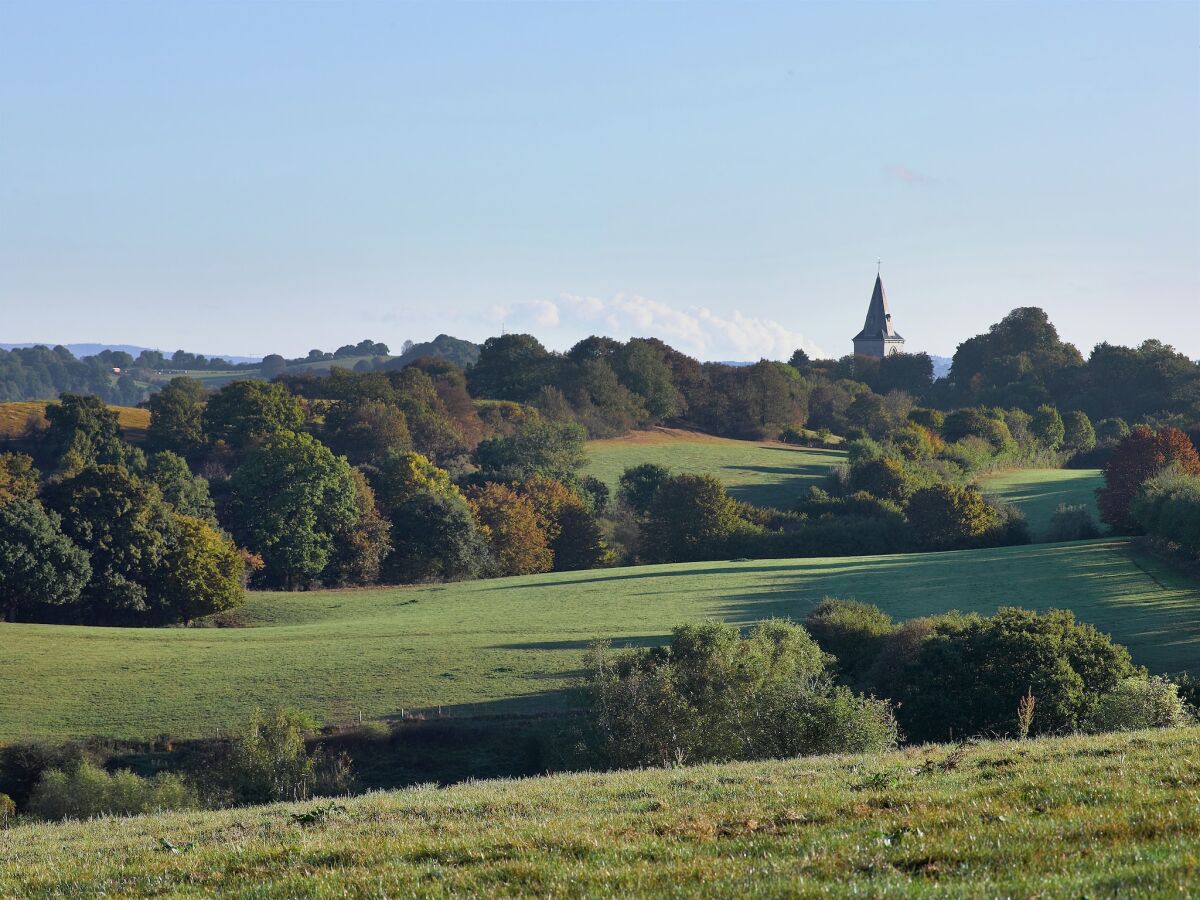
{"x": 879, "y": 318}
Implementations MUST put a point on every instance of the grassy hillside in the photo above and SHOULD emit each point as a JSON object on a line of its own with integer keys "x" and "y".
{"x": 1038, "y": 492}
{"x": 766, "y": 473}
{"x": 515, "y": 644}
{"x": 15, "y": 418}
{"x": 1108, "y": 816}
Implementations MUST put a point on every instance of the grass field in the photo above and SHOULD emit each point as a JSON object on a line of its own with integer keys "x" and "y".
{"x": 768, "y": 474}
{"x": 15, "y": 418}
{"x": 1108, "y": 816}
{"x": 515, "y": 645}
{"x": 1039, "y": 492}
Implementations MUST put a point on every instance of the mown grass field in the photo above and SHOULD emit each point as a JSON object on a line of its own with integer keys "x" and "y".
{"x": 515, "y": 645}
{"x": 15, "y": 418}
{"x": 1108, "y": 816}
{"x": 765, "y": 473}
{"x": 1039, "y": 492}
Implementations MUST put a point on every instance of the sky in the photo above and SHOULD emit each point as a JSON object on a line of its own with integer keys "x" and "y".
{"x": 249, "y": 178}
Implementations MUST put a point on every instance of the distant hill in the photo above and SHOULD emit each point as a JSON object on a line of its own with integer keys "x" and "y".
{"x": 941, "y": 365}
{"x": 79, "y": 351}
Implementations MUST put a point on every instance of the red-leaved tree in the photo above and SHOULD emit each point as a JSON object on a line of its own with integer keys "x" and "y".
{"x": 1142, "y": 454}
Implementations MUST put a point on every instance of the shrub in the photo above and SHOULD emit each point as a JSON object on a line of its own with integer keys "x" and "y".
{"x": 1168, "y": 507}
{"x": 1072, "y": 523}
{"x": 970, "y": 673}
{"x": 8, "y": 811}
{"x": 269, "y": 761}
{"x": 948, "y": 516}
{"x": 691, "y": 518}
{"x": 88, "y": 791}
{"x": 1139, "y": 702}
{"x": 852, "y": 632}
{"x": 714, "y": 695}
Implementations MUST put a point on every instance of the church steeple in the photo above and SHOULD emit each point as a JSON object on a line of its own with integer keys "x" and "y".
{"x": 878, "y": 336}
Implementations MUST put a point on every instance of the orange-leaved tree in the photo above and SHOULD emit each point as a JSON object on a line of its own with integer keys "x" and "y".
{"x": 1141, "y": 455}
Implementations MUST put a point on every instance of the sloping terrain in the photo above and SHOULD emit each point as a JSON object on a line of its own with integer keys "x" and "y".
{"x": 516, "y": 644}
{"x": 1108, "y": 816}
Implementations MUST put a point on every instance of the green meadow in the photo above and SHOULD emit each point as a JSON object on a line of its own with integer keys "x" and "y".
{"x": 515, "y": 645}
{"x": 764, "y": 473}
{"x": 1108, "y": 816}
{"x": 1039, "y": 492}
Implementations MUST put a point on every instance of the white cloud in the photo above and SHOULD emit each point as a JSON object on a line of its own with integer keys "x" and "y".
{"x": 697, "y": 331}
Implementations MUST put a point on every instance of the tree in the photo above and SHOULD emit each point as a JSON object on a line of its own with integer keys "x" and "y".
{"x": 714, "y": 695}
{"x": 39, "y": 565}
{"x": 509, "y": 523}
{"x": 83, "y": 431}
{"x": 272, "y": 366}
{"x": 360, "y": 548}
{"x": 1047, "y": 427}
{"x": 970, "y": 673}
{"x": 435, "y": 537}
{"x": 641, "y": 367}
{"x": 574, "y": 536}
{"x": 186, "y": 492}
{"x": 1078, "y": 434}
{"x": 690, "y": 518}
{"x": 537, "y": 447}
{"x": 18, "y": 478}
{"x": 287, "y": 501}
{"x": 246, "y": 409}
{"x": 202, "y": 572}
{"x": 949, "y": 516}
{"x": 364, "y": 432}
{"x": 177, "y": 416}
{"x": 401, "y": 476}
{"x": 1139, "y": 456}
{"x": 124, "y": 524}
{"x": 1168, "y": 507}
{"x": 511, "y": 367}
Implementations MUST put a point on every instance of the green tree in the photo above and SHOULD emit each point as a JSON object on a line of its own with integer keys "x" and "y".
{"x": 1047, "y": 427}
{"x": 691, "y": 518}
{"x": 177, "y": 416}
{"x": 364, "y": 432}
{"x": 1078, "y": 434}
{"x": 642, "y": 368}
{"x": 123, "y": 523}
{"x": 511, "y": 367}
{"x": 713, "y": 695}
{"x": 186, "y": 492}
{"x": 360, "y": 548}
{"x": 83, "y": 431}
{"x": 39, "y": 565}
{"x": 949, "y": 516}
{"x": 247, "y": 409}
{"x": 436, "y": 538}
{"x": 536, "y": 447}
{"x": 287, "y": 502}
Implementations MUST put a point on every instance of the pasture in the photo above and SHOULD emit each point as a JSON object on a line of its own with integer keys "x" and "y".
{"x": 17, "y": 417}
{"x": 1039, "y": 492}
{"x": 763, "y": 473}
{"x": 1112, "y": 815}
{"x": 516, "y": 644}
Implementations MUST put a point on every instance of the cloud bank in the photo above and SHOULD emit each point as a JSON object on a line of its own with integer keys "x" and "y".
{"x": 697, "y": 331}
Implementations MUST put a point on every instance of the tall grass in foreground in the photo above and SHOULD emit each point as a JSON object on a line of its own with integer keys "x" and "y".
{"x": 1110, "y": 815}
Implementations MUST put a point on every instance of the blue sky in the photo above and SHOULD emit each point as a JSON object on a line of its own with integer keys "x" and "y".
{"x": 272, "y": 177}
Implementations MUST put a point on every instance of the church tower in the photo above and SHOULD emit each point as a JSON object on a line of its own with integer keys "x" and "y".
{"x": 878, "y": 337}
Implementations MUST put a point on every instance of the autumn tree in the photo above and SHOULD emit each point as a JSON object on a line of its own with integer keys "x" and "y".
{"x": 18, "y": 478}
{"x": 509, "y": 523}
{"x": 575, "y": 537}
{"x": 1139, "y": 456}
{"x": 365, "y": 431}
